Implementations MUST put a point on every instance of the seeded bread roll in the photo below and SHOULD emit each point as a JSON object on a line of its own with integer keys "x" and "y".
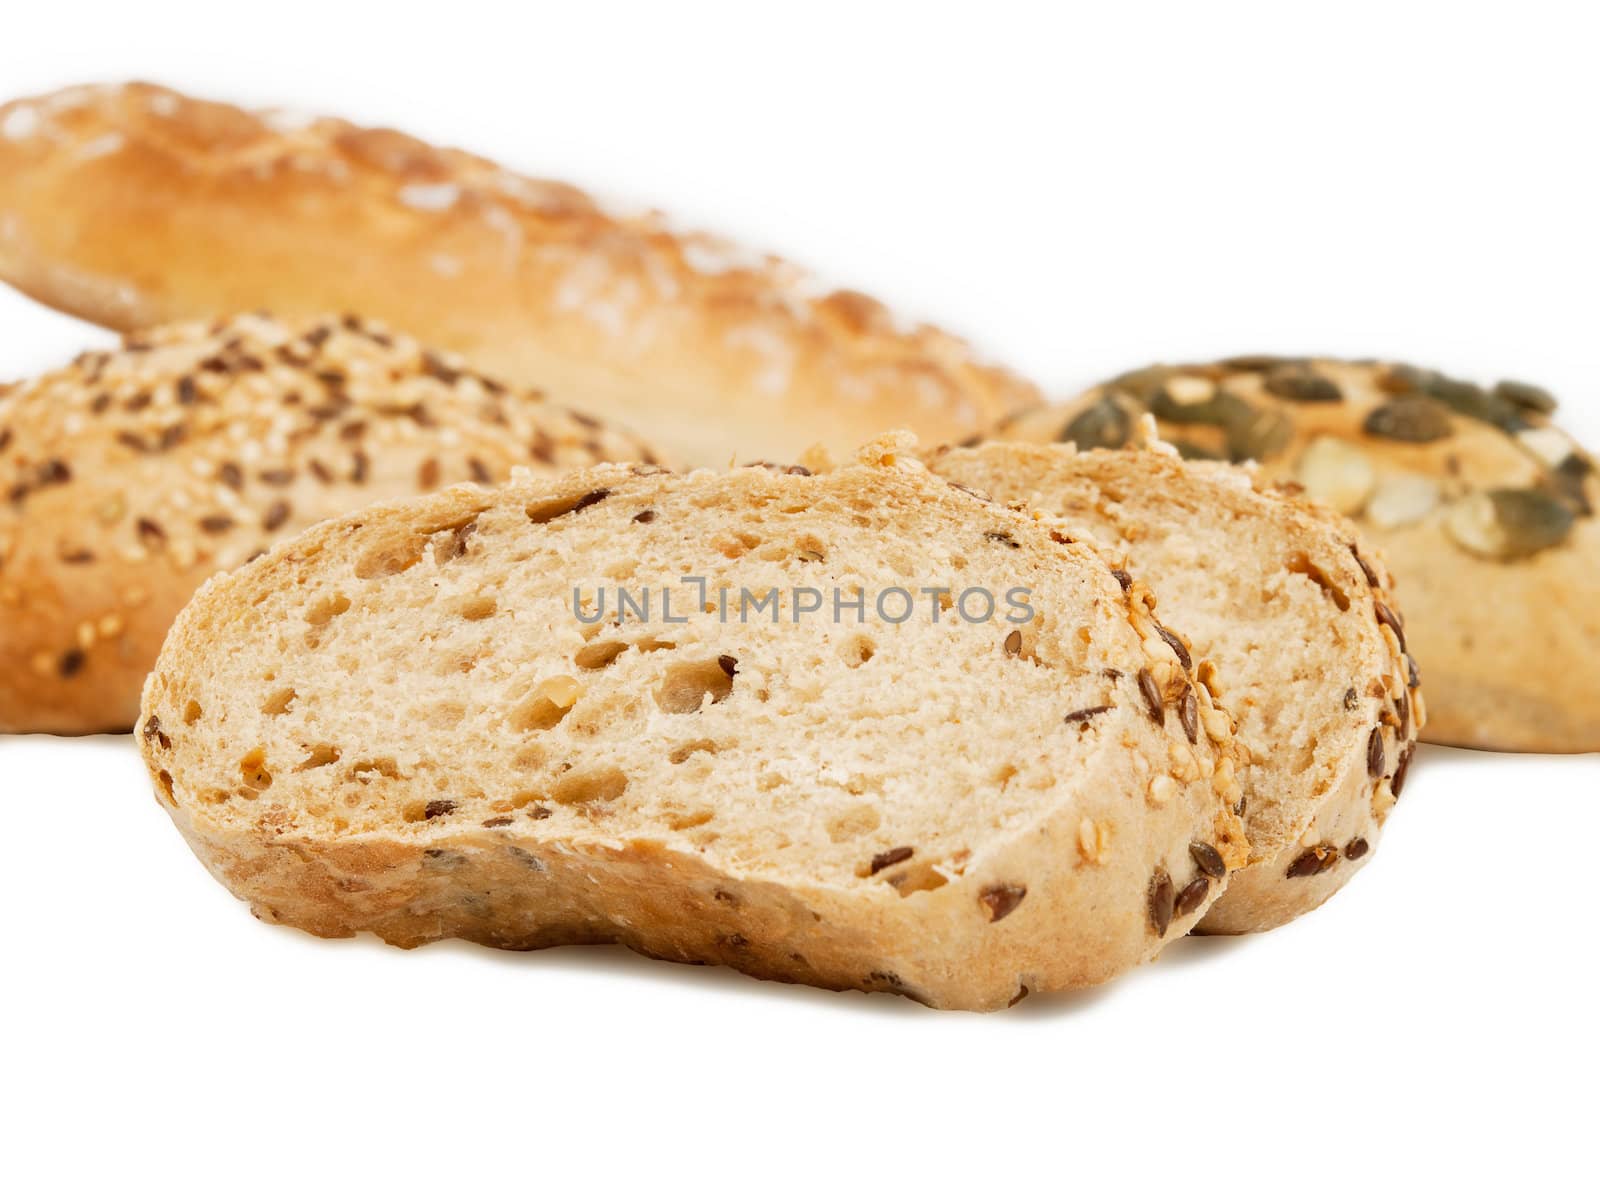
{"x": 1282, "y": 604}
{"x": 136, "y": 205}
{"x": 1481, "y": 506}
{"x": 129, "y": 477}
{"x": 959, "y": 810}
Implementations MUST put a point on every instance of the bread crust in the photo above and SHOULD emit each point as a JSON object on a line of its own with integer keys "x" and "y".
{"x": 130, "y": 476}
{"x": 1070, "y": 921}
{"x": 135, "y": 205}
{"x": 1482, "y": 507}
{"x": 1305, "y": 845}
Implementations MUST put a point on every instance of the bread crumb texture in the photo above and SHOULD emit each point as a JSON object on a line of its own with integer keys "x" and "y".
{"x": 131, "y": 475}
{"x": 398, "y": 723}
{"x": 1287, "y": 612}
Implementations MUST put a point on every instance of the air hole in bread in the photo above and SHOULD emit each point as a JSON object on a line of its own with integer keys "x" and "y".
{"x": 678, "y": 822}
{"x": 547, "y": 706}
{"x": 589, "y": 790}
{"x": 737, "y": 544}
{"x": 326, "y": 609}
{"x": 253, "y": 769}
{"x": 451, "y": 542}
{"x": 810, "y": 549}
{"x": 548, "y": 510}
{"x": 388, "y": 559}
{"x": 648, "y": 644}
{"x": 681, "y": 753}
{"x": 278, "y": 702}
{"x": 430, "y": 810}
{"x": 920, "y": 877}
{"x": 460, "y": 664}
{"x": 856, "y": 650}
{"x": 191, "y": 712}
{"x": 686, "y": 686}
{"x": 321, "y": 755}
{"x": 518, "y": 801}
{"x": 1300, "y": 564}
{"x": 853, "y": 823}
{"x": 366, "y": 768}
{"x": 536, "y": 715}
{"x": 596, "y": 655}
{"x": 478, "y": 608}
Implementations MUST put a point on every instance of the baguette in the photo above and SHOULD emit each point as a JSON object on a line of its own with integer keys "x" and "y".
{"x": 1484, "y": 509}
{"x": 130, "y": 476}
{"x": 402, "y": 722}
{"x": 135, "y": 205}
{"x": 1294, "y": 616}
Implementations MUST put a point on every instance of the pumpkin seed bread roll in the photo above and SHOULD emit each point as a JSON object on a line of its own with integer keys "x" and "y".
{"x": 129, "y": 477}
{"x": 135, "y": 205}
{"x": 1482, "y": 507}
{"x": 436, "y": 718}
{"x": 1281, "y": 603}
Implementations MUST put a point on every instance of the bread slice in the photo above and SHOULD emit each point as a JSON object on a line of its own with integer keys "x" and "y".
{"x": 400, "y": 722}
{"x": 1294, "y": 614}
{"x": 130, "y": 476}
{"x": 1483, "y": 507}
{"x": 137, "y": 205}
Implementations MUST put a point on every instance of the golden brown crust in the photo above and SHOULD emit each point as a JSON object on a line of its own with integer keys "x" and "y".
{"x": 129, "y": 477}
{"x": 136, "y": 205}
{"x": 1481, "y": 506}
{"x": 1055, "y": 898}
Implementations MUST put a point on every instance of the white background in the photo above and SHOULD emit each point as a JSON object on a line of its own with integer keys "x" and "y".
{"x": 1079, "y": 190}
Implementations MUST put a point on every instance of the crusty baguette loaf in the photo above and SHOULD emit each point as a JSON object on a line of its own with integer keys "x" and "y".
{"x": 136, "y": 205}
{"x": 129, "y": 477}
{"x": 1293, "y": 615}
{"x": 1484, "y": 510}
{"x": 400, "y": 723}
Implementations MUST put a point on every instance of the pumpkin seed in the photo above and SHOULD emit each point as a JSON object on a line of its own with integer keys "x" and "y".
{"x": 1509, "y": 523}
{"x": 1409, "y": 419}
{"x": 1141, "y": 384}
{"x": 1470, "y": 400}
{"x": 1192, "y": 451}
{"x": 1402, "y": 500}
{"x": 1298, "y": 382}
{"x": 1336, "y": 473}
{"x": 1532, "y": 519}
{"x": 1256, "y": 362}
{"x": 1181, "y": 407}
{"x": 1218, "y": 408}
{"x": 1104, "y": 425}
{"x": 1568, "y": 481}
{"x": 1442, "y": 387}
{"x": 1264, "y": 435}
{"x": 1505, "y": 407}
{"x": 1526, "y": 395}
{"x": 1183, "y": 390}
{"x": 1402, "y": 379}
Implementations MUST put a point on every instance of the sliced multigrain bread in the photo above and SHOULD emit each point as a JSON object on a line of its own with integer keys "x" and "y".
{"x": 130, "y": 476}
{"x": 133, "y": 205}
{"x": 1484, "y": 509}
{"x": 404, "y": 722}
{"x": 1278, "y": 598}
